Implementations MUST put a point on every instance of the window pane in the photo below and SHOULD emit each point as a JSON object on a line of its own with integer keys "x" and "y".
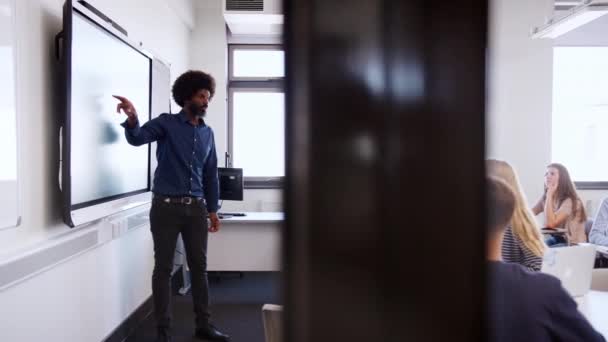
{"x": 8, "y": 129}
{"x": 258, "y": 133}
{"x": 580, "y": 111}
{"x": 258, "y": 63}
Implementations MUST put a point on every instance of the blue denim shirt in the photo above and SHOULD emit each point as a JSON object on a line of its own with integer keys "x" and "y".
{"x": 187, "y": 161}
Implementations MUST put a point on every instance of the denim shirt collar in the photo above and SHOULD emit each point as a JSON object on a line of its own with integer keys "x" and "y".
{"x": 183, "y": 116}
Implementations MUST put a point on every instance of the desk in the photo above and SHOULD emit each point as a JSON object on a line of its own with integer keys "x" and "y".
{"x": 243, "y": 243}
{"x": 594, "y": 306}
{"x": 549, "y": 231}
{"x": 602, "y": 250}
{"x": 247, "y": 243}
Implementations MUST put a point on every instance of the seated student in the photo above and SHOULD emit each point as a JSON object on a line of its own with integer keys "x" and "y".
{"x": 562, "y": 207}
{"x": 599, "y": 231}
{"x": 523, "y": 305}
{"x": 522, "y": 243}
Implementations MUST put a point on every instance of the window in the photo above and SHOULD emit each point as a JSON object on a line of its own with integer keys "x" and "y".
{"x": 257, "y": 63}
{"x": 256, "y": 113}
{"x": 580, "y": 114}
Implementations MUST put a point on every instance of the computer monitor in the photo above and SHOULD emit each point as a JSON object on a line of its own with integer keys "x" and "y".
{"x": 231, "y": 183}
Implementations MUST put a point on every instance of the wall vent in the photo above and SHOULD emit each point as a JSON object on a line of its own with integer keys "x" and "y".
{"x": 245, "y": 5}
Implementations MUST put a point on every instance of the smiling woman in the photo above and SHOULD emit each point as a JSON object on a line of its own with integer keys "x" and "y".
{"x": 9, "y": 185}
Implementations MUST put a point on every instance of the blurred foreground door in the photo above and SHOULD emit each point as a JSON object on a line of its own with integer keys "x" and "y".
{"x": 384, "y": 234}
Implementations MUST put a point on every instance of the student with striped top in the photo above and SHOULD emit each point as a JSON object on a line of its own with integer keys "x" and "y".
{"x": 522, "y": 242}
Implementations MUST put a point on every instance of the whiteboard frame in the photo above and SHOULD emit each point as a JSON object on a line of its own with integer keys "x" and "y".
{"x": 16, "y": 68}
{"x": 76, "y": 215}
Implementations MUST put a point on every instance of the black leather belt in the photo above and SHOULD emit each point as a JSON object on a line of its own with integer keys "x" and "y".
{"x": 180, "y": 200}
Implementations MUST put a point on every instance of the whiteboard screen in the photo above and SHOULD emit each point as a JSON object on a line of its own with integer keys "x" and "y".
{"x": 9, "y": 182}
{"x": 103, "y": 164}
{"x": 161, "y": 99}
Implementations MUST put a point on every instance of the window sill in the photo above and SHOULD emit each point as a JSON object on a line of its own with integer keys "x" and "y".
{"x": 262, "y": 183}
{"x": 591, "y": 185}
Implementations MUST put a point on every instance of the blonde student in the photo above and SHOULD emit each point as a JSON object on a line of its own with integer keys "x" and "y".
{"x": 562, "y": 207}
{"x": 522, "y": 243}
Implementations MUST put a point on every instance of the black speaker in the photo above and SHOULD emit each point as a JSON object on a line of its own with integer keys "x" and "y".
{"x": 231, "y": 183}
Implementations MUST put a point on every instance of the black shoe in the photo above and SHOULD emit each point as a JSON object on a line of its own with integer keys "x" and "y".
{"x": 163, "y": 335}
{"x": 211, "y": 333}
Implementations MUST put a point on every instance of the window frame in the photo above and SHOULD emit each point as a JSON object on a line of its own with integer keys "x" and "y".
{"x": 260, "y": 47}
{"x": 251, "y": 84}
{"x": 600, "y": 185}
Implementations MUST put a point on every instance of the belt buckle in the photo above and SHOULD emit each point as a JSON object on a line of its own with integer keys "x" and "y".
{"x": 187, "y": 200}
{"x": 167, "y": 200}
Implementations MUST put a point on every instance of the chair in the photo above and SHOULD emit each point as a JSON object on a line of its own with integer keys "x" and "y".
{"x": 272, "y": 318}
{"x": 599, "y": 279}
{"x": 588, "y": 226}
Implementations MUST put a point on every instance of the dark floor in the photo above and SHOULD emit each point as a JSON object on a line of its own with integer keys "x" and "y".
{"x": 236, "y": 308}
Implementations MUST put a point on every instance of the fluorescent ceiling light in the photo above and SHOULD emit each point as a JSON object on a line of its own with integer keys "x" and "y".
{"x": 576, "y": 17}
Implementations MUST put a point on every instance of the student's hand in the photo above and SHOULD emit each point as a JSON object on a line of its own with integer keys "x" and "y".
{"x": 127, "y": 108}
{"x": 214, "y": 227}
{"x": 551, "y": 189}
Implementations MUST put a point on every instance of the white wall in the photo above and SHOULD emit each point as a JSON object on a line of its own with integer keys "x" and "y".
{"x": 520, "y": 90}
{"x": 256, "y": 200}
{"x": 209, "y": 53}
{"x": 83, "y": 299}
{"x": 73, "y": 307}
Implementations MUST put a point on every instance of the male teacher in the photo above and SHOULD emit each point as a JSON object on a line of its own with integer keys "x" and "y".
{"x": 185, "y": 190}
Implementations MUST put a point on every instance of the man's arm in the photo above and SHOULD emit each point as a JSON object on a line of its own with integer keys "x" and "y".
{"x": 151, "y": 131}
{"x": 210, "y": 179}
{"x": 211, "y": 186}
{"x": 136, "y": 135}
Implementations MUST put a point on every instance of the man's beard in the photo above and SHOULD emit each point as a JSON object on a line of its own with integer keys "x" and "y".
{"x": 197, "y": 111}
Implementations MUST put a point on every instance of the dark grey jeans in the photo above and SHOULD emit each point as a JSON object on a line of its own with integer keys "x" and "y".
{"x": 167, "y": 220}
